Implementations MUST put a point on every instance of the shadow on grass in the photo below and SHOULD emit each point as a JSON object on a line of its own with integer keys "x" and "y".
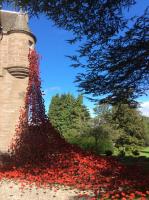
{"x": 131, "y": 160}
{"x": 144, "y": 151}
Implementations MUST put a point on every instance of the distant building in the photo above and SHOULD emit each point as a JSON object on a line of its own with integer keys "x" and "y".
{"x": 14, "y": 49}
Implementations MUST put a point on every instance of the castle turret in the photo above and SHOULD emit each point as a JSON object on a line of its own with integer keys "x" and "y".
{"x": 14, "y": 49}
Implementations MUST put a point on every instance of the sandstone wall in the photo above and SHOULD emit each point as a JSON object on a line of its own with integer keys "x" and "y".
{"x": 14, "y": 49}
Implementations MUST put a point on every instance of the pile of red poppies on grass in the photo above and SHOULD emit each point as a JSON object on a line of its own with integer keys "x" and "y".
{"x": 104, "y": 176}
{"x": 39, "y": 155}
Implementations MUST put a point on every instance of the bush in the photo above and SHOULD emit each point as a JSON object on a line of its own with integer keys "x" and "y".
{"x": 122, "y": 153}
{"x": 96, "y": 140}
{"x": 86, "y": 142}
{"x": 104, "y": 145}
{"x": 108, "y": 153}
{"x": 72, "y": 136}
{"x": 136, "y": 152}
{"x": 127, "y": 140}
{"x": 103, "y": 142}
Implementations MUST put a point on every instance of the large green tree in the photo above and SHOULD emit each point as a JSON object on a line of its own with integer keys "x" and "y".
{"x": 124, "y": 123}
{"x": 128, "y": 119}
{"x": 146, "y": 126}
{"x": 94, "y": 19}
{"x": 119, "y": 69}
{"x": 116, "y": 65}
{"x": 104, "y": 118}
{"x": 68, "y": 114}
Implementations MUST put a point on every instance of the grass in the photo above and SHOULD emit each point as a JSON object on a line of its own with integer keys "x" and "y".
{"x": 142, "y": 159}
{"x": 144, "y": 152}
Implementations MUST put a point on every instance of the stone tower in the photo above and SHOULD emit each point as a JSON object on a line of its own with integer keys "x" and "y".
{"x": 14, "y": 48}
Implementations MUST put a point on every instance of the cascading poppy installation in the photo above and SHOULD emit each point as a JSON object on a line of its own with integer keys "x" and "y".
{"x": 40, "y": 155}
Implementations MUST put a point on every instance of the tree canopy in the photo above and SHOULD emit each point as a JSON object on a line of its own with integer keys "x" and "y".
{"x": 96, "y": 19}
{"x": 68, "y": 114}
{"x": 119, "y": 69}
{"x": 124, "y": 123}
{"x": 114, "y": 54}
{"x": 128, "y": 119}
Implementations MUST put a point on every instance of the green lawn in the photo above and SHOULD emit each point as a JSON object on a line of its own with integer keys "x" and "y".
{"x": 145, "y": 152}
{"x": 142, "y": 159}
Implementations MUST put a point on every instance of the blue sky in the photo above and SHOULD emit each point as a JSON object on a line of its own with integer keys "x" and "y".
{"x": 56, "y": 74}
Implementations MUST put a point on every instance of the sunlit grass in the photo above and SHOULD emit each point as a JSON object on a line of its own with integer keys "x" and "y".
{"x": 144, "y": 152}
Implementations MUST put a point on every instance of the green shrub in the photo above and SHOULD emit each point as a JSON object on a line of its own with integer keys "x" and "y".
{"x": 87, "y": 142}
{"x": 72, "y": 136}
{"x": 108, "y": 153}
{"x": 104, "y": 145}
{"x": 96, "y": 140}
{"x": 135, "y": 152}
{"x": 103, "y": 142}
{"x": 122, "y": 153}
{"x": 128, "y": 141}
